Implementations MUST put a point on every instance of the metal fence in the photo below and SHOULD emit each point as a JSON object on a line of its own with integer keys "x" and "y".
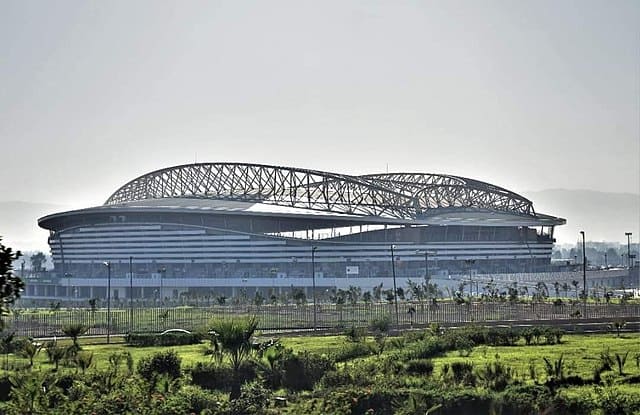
{"x": 40, "y": 323}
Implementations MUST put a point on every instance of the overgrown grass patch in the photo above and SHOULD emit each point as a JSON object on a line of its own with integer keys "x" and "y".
{"x": 581, "y": 353}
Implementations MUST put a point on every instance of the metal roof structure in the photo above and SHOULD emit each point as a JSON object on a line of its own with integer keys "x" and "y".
{"x": 394, "y": 195}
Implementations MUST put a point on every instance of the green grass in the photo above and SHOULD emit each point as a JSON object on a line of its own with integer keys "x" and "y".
{"x": 314, "y": 344}
{"x": 581, "y": 353}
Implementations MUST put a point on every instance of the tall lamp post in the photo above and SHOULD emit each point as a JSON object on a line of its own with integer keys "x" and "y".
{"x": 584, "y": 273}
{"x": 313, "y": 277}
{"x": 130, "y": 294}
{"x": 108, "y": 265}
{"x": 628, "y": 235}
{"x": 470, "y": 263}
{"x": 395, "y": 290}
{"x": 162, "y": 271}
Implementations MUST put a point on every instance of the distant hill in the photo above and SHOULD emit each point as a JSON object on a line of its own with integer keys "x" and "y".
{"x": 19, "y": 224}
{"x": 603, "y": 216}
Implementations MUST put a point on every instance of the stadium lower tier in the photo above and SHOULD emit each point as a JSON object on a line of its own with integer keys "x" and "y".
{"x": 178, "y": 251}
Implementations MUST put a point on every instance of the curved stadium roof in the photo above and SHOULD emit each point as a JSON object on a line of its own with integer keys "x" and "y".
{"x": 406, "y": 196}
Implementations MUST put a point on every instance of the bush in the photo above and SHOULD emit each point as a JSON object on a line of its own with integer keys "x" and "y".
{"x": 353, "y": 350}
{"x": 355, "y": 334}
{"x": 381, "y": 325}
{"x": 160, "y": 363}
{"x": 169, "y": 339}
{"x": 335, "y": 378}
{"x": 499, "y": 336}
{"x": 428, "y": 348}
{"x": 214, "y": 377}
{"x": 462, "y": 373}
{"x": 190, "y": 399}
{"x": 423, "y": 367}
{"x": 5, "y": 388}
{"x": 313, "y": 366}
{"x": 526, "y": 399}
{"x": 495, "y": 376}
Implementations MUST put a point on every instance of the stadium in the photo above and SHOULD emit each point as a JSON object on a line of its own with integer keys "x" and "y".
{"x": 224, "y": 227}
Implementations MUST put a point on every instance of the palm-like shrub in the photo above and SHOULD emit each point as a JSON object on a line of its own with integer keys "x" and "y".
{"x": 55, "y": 353}
{"x": 233, "y": 338}
{"x": 74, "y": 331}
{"x": 84, "y": 360}
{"x": 30, "y": 350}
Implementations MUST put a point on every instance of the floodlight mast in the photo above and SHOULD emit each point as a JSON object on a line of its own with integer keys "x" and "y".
{"x": 108, "y": 265}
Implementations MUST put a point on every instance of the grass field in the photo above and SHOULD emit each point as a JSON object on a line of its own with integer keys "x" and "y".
{"x": 581, "y": 352}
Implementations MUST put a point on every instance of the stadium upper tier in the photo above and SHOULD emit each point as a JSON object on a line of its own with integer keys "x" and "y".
{"x": 410, "y": 198}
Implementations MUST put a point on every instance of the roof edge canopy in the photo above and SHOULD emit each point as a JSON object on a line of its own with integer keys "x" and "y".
{"x": 393, "y": 195}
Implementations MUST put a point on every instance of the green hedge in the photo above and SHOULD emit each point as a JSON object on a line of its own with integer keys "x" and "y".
{"x": 169, "y": 339}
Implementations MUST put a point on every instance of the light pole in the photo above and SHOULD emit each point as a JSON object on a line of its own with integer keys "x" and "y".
{"x": 162, "y": 271}
{"x": 395, "y": 290}
{"x": 628, "y": 235}
{"x": 469, "y": 263}
{"x": 130, "y": 294}
{"x": 426, "y": 264}
{"x": 313, "y": 277}
{"x": 108, "y": 265}
{"x": 584, "y": 273}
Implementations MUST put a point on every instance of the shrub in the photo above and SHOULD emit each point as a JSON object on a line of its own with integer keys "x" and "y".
{"x": 428, "y": 348}
{"x": 214, "y": 377}
{"x": 190, "y": 399}
{"x": 169, "y": 339}
{"x": 355, "y": 334}
{"x": 160, "y": 363}
{"x": 495, "y": 376}
{"x": 462, "y": 373}
{"x": 5, "y": 388}
{"x": 335, "y": 378}
{"x": 302, "y": 371}
{"x": 526, "y": 399}
{"x": 497, "y": 336}
{"x": 422, "y": 367}
{"x": 381, "y": 325}
{"x": 353, "y": 350}
{"x": 253, "y": 400}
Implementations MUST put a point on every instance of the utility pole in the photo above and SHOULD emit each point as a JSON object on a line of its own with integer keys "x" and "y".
{"x": 628, "y": 235}
{"x": 313, "y": 276}
{"x": 584, "y": 274}
{"x": 108, "y": 265}
{"x": 395, "y": 290}
{"x": 130, "y": 294}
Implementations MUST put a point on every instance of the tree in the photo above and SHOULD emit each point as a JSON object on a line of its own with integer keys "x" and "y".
{"x": 377, "y": 292}
{"x": 10, "y": 284}
{"x": 575, "y": 284}
{"x": 233, "y": 337}
{"x": 37, "y": 261}
{"x": 30, "y": 350}
{"x": 565, "y": 288}
{"x": 74, "y": 331}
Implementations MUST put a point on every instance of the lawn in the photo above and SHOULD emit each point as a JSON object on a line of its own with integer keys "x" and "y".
{"x": 581, "y": 353}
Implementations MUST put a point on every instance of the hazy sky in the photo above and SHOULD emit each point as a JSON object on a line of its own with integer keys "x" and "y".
{"x": 526, "y": 95}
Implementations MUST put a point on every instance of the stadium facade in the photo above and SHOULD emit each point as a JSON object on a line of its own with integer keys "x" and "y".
{"x": 222, "y": 227}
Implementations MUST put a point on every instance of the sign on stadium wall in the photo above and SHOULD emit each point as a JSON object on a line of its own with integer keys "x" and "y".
{"x": 353, "y": 270}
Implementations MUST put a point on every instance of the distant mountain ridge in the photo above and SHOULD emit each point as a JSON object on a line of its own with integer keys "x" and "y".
{"x": 604, "y": 216}
{"x": 19, "y": 224}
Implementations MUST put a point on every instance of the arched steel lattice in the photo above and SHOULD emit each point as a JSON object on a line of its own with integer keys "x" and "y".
{"x": 397, "y": 195}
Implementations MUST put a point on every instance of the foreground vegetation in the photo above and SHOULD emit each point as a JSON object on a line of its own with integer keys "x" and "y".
{"x": 472, "y": 370}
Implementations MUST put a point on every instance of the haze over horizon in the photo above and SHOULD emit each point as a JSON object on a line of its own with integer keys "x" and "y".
{"x": 529, "y": 96}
